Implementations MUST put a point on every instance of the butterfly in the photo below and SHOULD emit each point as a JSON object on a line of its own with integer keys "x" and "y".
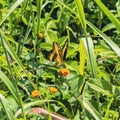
{"x": 58, "y": 54}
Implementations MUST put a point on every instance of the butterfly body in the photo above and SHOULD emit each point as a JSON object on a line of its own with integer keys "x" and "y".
{"x": 58, "y": 54}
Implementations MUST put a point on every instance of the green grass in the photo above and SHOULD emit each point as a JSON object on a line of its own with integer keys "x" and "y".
{"x": 91, "y": 88}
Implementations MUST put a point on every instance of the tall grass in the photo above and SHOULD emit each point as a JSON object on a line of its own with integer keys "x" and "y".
{"x": 28, "y": 30}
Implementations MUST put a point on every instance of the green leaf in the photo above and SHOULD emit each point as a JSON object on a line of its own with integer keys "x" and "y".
{"x": 39, "y": 10}
{"x": 86, "y": 104}
{"x": 6, "y": 107}
{"x": 83, "y": 56}
{"x": 108, "y": 109}
{"x": 15, "y": 57}
{"x": 9, "y": 84}
{"x": 91, "y": 55}
{"x": 75, "y": 82}
{"x": 81, "y": 14}
{"x": 102, "y": 86}
{"x": 15, "y": 5}
{"x": 106, "y": 38}
{"x": 3, "y": 2}
{"x": 73, "y": 47}
{"x": 113, "y": 19}
{"x": 46, "y": 46}
{"x": 51, "y": 36}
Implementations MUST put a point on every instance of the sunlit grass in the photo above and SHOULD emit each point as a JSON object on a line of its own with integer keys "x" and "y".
{"x": 85, "y": 85}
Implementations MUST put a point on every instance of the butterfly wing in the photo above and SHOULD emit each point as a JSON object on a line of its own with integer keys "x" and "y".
{"x": 64, "y": 49}
{"x": 52, "y": 53}
{"x": 57, "y": 54}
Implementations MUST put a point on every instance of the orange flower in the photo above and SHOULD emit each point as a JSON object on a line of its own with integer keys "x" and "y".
{"x": 41, "y": 35}
{"x": 53, "y": 89}
{"x": 64, "y": 72}
{"x": 35, "y": 93}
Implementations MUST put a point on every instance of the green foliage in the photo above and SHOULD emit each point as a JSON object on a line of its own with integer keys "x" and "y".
{"x": 91, "y": 86}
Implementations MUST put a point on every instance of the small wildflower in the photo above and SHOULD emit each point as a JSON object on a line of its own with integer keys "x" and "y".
{"x": 35, "y": 93}
{"x": 41, "y": 35}
{"x": 64, "y": 72}
{"x": 53, "y": 89}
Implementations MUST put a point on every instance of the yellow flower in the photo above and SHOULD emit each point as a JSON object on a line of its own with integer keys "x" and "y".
{"x": 41, "y": 35}
{"x": 35, "y": 93}
{"x": 53, "y": 89}
{"x": 64, "y": 72}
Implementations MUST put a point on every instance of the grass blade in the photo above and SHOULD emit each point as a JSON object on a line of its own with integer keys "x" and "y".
{"x": 91, "y": 55}
{"x": 17, "y": 3}
{"x": 85, "y": 103}
{"x": 9, "y": 84}
{"x": 6, "y": 107}
{"x": 81, "y": 14}
{"x": 106, "y": 38}
{"x": 113, "y": 19}
{"x": 16, "y": 58}
{"x": 108, "y": 108}
{"x": 83, "y": 56}
{"x": 39, "y": 10}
